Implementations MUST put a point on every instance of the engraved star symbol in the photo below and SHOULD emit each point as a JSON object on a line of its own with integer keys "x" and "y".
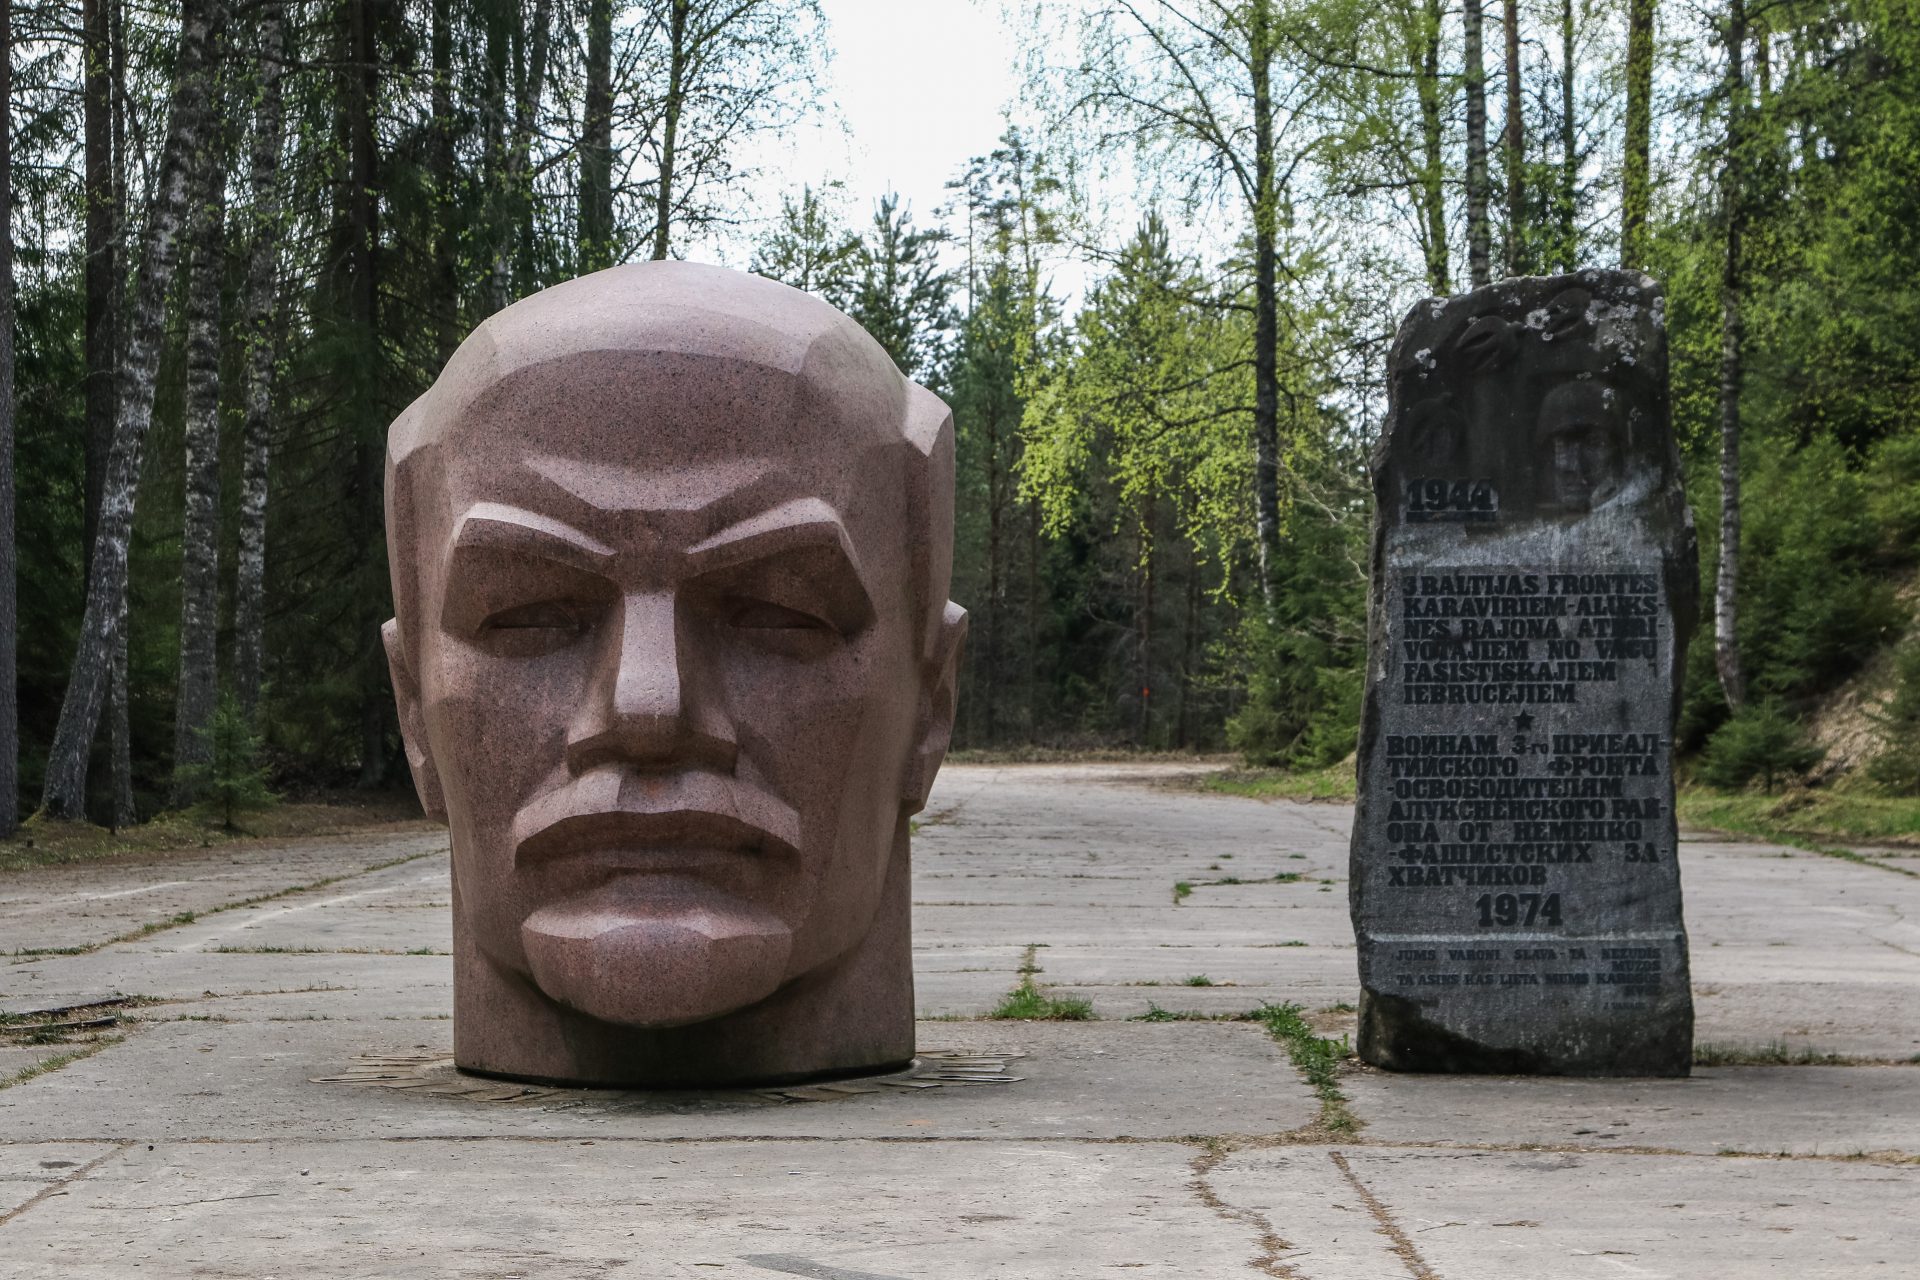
{"x": 1523, "y": 721}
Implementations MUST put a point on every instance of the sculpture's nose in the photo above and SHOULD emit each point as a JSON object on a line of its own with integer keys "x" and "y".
{"x": 645, "y": 707}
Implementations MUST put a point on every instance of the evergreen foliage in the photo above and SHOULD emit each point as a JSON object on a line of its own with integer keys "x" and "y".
{"x": 1760, "y": 741}
{"x": 1896, "y": 766}
{"x": 233, "y": 780}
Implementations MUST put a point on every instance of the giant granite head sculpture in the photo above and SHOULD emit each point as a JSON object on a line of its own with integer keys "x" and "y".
{"x": 675, "y": 662}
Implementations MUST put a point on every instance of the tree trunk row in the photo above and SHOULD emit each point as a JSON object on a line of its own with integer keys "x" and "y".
{"x": 64, "y": 796}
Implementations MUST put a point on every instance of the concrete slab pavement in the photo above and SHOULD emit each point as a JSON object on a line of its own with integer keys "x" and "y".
{"x": 208, "y": 1132}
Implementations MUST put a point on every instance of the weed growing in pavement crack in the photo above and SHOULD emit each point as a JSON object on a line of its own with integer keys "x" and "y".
{"x": 1155, "y": 1013}
{"x": 1317, "y": 1058}
{"x": 57, "y": 1061}
{"x": 1775, "y": 1053}
{"x": 1028, "y": 1003}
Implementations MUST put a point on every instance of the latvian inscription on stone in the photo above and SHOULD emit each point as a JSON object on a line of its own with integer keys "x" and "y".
{"x": 1515, "y": 891}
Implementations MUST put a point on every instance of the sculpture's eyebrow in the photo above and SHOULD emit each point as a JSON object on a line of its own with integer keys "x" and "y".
{"x": 495, "y": 526}
{"x": 799, "y": 524}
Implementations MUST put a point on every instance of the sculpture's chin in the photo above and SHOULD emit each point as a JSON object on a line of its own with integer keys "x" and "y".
{"x": 656, "y": 964}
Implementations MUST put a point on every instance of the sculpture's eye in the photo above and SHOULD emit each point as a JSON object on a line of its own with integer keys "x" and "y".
{"x": 535, "y": 628}
{"x": 764, "y": 615}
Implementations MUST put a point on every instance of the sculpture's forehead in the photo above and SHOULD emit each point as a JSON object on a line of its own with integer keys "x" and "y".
{"x": 662, "y": 355}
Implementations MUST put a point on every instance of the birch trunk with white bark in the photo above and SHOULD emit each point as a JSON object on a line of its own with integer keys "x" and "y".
{"x": 64, "y": 795}
{"x": 200, "y": 530}
{"x": 120, "y": 738}
{"x": 256, "y": 443}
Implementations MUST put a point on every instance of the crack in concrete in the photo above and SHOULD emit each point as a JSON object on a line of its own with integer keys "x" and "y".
{"x": 1272, "y": 1245}
{"x": 186, "y": 1204}
{"x": 56, "y": 1188}
{"x": 1402, "y": 1243}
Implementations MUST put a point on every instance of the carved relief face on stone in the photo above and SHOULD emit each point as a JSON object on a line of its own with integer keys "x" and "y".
{"x": 1580, "y": 440}
{"x": 673, "y": 653}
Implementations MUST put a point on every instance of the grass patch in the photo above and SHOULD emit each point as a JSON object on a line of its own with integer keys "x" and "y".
{"x": 1197, "y": 980}
{"x": 1805, "y": 815}
{"x": 1183, "y": 888}
{"x": 46, "y": 1066}
{"x": 1333, "y": 783}
{"x": 1155, "y": 1013}
{"x": 1776, "y": 1053}
{"x": 1028, "y": 1003}
{"x": 1315, "y": 1057}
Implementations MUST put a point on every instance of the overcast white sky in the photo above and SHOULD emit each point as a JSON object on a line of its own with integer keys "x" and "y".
{"x": 916, "y": 86}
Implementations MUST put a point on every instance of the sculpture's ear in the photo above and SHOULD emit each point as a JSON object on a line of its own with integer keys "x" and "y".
{"x": 413, "y": 725}
{"x": 939, "y": 699}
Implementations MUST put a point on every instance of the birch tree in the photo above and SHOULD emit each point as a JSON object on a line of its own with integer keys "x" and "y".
{"x": 101, "y": 274}
{"x": 64, "y": 794}
{"x": 263, "y": 248}
{"x": 200, "y": 530}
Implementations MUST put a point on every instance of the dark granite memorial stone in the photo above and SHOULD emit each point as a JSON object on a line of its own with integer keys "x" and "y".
{"x": 1515, "y": 891}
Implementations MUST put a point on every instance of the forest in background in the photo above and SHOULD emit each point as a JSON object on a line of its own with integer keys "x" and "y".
{"x": 245, "y": 235}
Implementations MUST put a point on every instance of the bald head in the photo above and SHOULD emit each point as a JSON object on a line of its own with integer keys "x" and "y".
{"x": 674, "y": 660}
{"x": 672, "y": 314}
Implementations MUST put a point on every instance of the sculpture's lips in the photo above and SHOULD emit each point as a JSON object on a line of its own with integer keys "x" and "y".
{"x": 639, "y": 838}
{"x": 638, "y": 818}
